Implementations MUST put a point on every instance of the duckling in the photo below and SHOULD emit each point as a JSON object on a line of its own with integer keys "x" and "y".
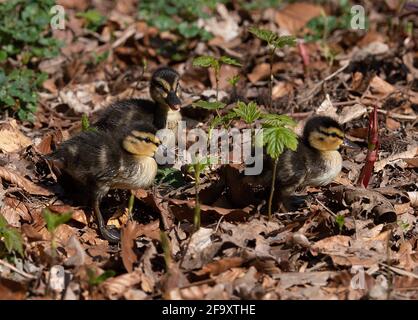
{"x": 316, "y": 161}
{"x": 99, "y": 161}
{"x": 163, "y": 112}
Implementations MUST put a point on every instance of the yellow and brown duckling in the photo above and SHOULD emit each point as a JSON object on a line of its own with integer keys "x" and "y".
{"x": 316, "y": 161}
{"x": 163, "y": 112}
{"x": 100, "y": 161}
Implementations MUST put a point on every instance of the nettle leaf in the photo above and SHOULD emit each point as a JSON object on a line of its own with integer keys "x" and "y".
{"x": 276, "y": 120}
{"x": 277, "y": 139}
{"x": 248, "y": 112}
{"x": 209, "y": 105}
{"x": 280, "y": 42}
{"x": 54, "y": 220}
{"x": 230, "y": 61}
{"x": 263, "y": 34}
{"x": 204, "y": 61}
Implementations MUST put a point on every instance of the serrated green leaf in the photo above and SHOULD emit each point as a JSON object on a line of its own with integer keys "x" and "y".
{"x": 209, "y": 105}
{"x": 282, "y": 41}
{"x": 230, "y": 61}
{"x": 204, "y": 61}
{"x": 277, "y": 139}
{"x": 247, "y": 112}
{"x": 277, "y": 120}
{"x": 54, "y": 220}
{"x": 263, "y": 34}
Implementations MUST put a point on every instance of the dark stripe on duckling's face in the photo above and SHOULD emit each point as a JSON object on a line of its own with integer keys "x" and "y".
{"x": 141, "y": 143}
{"x": 326, "y": 139}
{"x": 165, "y": 88}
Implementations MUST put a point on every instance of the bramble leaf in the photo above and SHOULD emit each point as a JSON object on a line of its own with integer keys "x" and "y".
{"x": 54, "y": 220}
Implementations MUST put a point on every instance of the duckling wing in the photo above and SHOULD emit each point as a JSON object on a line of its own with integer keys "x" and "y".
{"x": 89, "y": 157}
{"x": 291, "y": 171}
{"x": 123, "y": 112}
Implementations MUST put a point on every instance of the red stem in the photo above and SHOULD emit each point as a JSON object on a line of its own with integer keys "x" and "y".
{"x": 373, "y": 150}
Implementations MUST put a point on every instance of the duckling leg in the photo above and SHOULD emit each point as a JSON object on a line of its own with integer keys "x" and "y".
{"x": 111, "y": 234}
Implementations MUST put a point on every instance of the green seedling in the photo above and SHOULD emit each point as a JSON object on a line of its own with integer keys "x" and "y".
{"x": 11, "y": 238}
{"x": 274, "y": 42}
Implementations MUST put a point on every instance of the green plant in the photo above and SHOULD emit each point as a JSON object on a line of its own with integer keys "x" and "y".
{"x": 165, "y": 244}
{"x": 197, "y": 167}
{"x": 95, "y": 280}
{"x": 170, "y": 176}
{"x": 11, "y": 238}
{"x": 53, "y": 221}
{"x": 259, "y": 4}
{"x": 18, "y": 91}
{"x": 339, "y": 219}
{"x": 277, "y": 134}
{"x": 274, "y": 42}
{"x": 25, "y": 39}
{"x": 165, "y": 15}
{"x": 94, "y": 20}
{"x": 215, "y": 64}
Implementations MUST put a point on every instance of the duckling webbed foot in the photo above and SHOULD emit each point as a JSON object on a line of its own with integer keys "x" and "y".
{"x": 109, "y": 233}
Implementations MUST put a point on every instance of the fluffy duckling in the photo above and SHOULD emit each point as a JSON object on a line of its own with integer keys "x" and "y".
{"x": 163, "y": 112}
{"x": 100, "y": 161}
{"x": 316, "y": 161}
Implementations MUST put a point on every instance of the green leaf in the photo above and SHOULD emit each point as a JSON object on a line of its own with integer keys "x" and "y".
{"x": 276, "y": 120}
{"x": 54, "y": 220}
{"x": 204, "y": 61}
{"x": 96, "y": 280}
{"x": 11, "y": 237}
{"x": 93, "y": 18}
{"x": 3, "y": 55}
{"x": 263, "y": 34}
{"x": 280, "y": 42}
{"x": 209, "y": 105}
{"x": 247, "y": 112}
{"x": 339, "y": 219}
{"x": 234, "y": 80}
{"x": 230, "y": 61}
{"x": 277, "y": 139}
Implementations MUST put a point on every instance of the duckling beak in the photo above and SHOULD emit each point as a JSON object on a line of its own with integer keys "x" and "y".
{"x": 349, "y": 144}
{"x": 173, "y": 101}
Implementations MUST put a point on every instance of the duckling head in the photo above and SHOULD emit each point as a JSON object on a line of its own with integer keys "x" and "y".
{"x": 323, "y": 133}
{"x": 165, "y": 88}
{"x": 141, "y": 143}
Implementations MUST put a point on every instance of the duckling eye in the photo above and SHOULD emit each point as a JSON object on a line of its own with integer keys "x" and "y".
{"x": 147, "y": 140}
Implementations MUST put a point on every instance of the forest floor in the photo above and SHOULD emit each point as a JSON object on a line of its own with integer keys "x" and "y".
{"x": 349, "y": 243}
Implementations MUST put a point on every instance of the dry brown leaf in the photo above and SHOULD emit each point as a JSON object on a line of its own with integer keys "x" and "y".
{"x": 14, "y": 210}
{"x": 76, "y": 254}
{"x": 219, "y": 266}
{"x": 184, "y": 209}
{"x": 392, "y": 124}
{"x": 129, "y": 233}
{"x": 77, "y": 214}
{"x": 413, "y": 197}
{"x": 11, "y": 290}
{"x": 25, "y": 184}
{"x": 262, "y": 71}
{"x": 114, "y": 288}
{"x": 11, "y": 138}
{"x": 410, "y": 153}
{"x": 282, "y": 89}
{"x": 381, "y": 87}
{"x": 294, "y": 16}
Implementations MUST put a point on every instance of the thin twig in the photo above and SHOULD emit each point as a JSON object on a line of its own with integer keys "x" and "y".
{"x": 13, "y": 268}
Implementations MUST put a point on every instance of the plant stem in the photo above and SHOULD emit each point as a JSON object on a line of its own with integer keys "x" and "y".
{"x": 271, "y": 78}
{"x": 131, "y": 205}
{"x": 273, "y": 182}
{"x": 196, "y": 219}
{"x": 217, "y": 84}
